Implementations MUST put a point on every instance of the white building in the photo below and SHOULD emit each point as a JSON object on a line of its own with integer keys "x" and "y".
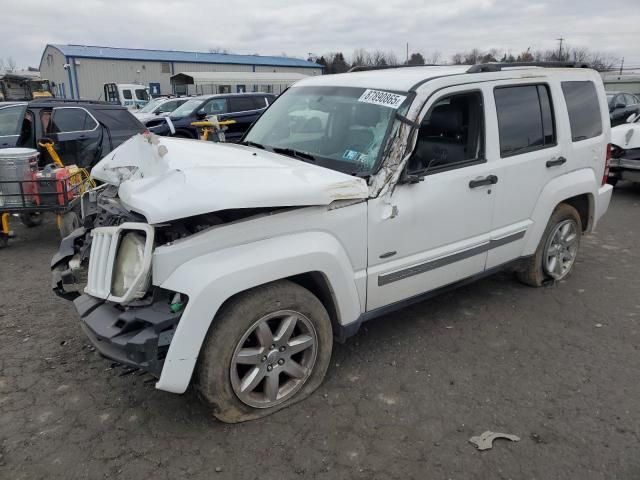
{"x": 80, "y": 71}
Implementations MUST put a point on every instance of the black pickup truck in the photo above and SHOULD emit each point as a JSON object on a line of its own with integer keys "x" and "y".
{"x": 244, "y": 108}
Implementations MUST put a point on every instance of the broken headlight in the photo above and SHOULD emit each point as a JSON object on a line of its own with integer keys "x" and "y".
{"x": 129, "y": 263}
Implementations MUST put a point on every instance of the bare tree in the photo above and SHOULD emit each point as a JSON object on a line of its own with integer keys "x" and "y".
{"x": 457, "y": 59}
{"x": 433, "y": 58}
{"x": 11, "y": 64}
{"x": 361, "y": 58}
{"x": 218, "y": 49}
{"x": 603, "y": 61}
{"x": 391, "y": 58}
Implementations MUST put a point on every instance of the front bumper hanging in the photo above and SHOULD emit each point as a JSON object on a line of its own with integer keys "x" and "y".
{"x": 138, "y": 337}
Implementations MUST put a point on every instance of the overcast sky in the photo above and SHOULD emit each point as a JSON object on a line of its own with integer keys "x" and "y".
{"x": 297, "y": 28}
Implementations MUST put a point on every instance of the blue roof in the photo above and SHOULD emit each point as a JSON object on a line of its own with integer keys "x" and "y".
{"x": 91, "y": 51}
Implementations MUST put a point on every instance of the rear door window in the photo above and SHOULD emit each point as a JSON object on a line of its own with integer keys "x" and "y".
{"x": 525, "y": 119}
{"x": 215, "y": 106}
{"x": 242, "y": 104}
{"x": 71, "y": 120}
{"x": 127, "y": 94}
{"x": 11, "y": 119}
{"x": 583, "y": 107}
{"x": 259, "y": 102}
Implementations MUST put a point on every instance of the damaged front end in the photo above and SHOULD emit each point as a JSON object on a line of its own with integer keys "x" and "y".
{"x": 105, "y": 268}
{"x": 158, "y": 191}
{"x": 625, "y": 152}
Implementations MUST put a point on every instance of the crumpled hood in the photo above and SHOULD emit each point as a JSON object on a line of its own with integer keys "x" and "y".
{"x": 626, "y": 136}
{"x": 166, "y": 179}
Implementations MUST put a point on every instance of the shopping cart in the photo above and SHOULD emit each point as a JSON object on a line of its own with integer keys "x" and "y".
{"x": 56, "y": 189}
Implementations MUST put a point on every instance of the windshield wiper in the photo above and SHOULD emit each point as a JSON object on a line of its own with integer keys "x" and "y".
{"x": 295, "y": 153}
{"x": 249, "y": 143}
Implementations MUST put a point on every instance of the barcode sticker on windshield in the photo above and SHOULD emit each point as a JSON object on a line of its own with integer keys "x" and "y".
{"x": 378, "y": 97}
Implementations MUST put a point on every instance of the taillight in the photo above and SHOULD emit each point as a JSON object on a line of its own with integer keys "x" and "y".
{"x": 607, "y": 161}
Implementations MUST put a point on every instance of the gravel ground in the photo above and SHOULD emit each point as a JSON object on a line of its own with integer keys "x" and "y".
{"x": 557, "y": 366}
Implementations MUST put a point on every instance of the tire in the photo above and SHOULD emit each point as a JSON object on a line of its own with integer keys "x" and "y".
{"x": 69, "y": 222}
{"x": 31, "y": 220}
{"x": 220, "y": 377}
{"x": 613, "y": 181}
{"x": 537, "y": 271}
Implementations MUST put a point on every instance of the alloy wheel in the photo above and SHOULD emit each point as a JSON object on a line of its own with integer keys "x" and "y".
{"x": 273, "y": 359}
{"x": 561, "y": 249}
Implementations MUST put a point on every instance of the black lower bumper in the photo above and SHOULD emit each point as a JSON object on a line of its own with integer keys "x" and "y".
{"x": 138, "y": 336}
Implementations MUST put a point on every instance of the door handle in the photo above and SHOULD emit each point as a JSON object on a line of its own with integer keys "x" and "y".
{"x": 480, "y": 182}
{"x": 556, "y": 162}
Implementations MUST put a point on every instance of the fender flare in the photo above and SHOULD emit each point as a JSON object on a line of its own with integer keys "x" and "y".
{"x": 212, "y": 279}
{"x": 572, "y": 184}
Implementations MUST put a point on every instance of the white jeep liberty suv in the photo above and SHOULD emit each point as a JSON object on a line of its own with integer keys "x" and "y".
{"x": 236, "y": 266}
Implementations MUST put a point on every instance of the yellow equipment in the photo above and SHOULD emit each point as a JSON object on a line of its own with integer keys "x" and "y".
{"x": 76, "y": 182}
{"x": 207, "y": 127}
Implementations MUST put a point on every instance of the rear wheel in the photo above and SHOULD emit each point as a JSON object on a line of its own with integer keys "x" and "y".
{"x": 268, "y": 348}
{"x": 31, "y": 219}
{"x": 558, "y": 249}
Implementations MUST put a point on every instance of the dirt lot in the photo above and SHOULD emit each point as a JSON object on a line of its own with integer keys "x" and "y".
{"x": 557, "y": 366}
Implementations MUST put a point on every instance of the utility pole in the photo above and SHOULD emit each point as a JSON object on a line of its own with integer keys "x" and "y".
{"x": 407, "y": 53}
{"x": 560, "y": 49}
{"x": 621, "y": 65}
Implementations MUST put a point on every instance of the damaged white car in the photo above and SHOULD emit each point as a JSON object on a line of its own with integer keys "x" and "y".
{"x": 625, "y": 151}
{"x": 235, "y": 266}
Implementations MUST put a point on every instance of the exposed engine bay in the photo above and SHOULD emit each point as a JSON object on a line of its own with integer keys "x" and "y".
{"x": 101, "y": 207}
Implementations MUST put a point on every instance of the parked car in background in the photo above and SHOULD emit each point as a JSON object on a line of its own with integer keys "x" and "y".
{"x": 159, "y": 107}
{"x": 131, "y": 95}
{"x": 236, "y": 265}
{"x": 621, "y": 106}
{"x": 82, "y": 131}
{"x": 243, "y": 108}
{"x": 625, "y": 152}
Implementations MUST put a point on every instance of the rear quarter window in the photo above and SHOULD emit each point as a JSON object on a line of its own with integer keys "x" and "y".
{"x": 117, "y": 119}
{"x": 583, "y": 108}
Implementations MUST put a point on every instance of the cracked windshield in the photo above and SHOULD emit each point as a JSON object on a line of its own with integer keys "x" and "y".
{"x": 339, "y": 128}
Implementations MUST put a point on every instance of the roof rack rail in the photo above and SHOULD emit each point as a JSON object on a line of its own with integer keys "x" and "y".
{"x": 68, "y": 100}
{"x": 497, "y": 67}
{"x": 367, "y": 68}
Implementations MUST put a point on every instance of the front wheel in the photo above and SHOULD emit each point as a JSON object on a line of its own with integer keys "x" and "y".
{"x": 558, "y": 249}
{"x": 268, "y": 348}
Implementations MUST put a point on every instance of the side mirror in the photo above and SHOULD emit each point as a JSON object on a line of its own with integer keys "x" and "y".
{"x": 415, "y": 177}
{"x": 201, "y": 114}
